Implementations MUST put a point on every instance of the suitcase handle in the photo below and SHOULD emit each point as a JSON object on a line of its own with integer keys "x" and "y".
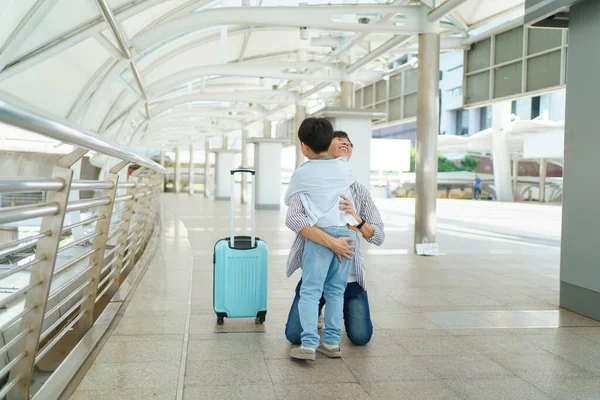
{"x": 243, "y": 170}
{"x": 252, "y": 206}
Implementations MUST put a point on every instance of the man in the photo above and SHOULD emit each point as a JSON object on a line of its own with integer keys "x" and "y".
{"x": 477, "y": 188}
{"x": 357, "y": 317}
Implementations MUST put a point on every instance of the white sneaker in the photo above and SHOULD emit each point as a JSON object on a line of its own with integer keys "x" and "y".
{"x": 321, "y": 323}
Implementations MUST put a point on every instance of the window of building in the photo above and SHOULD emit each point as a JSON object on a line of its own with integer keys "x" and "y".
{"x": 485, "y": 118}
{"x": 535, "y": 107}
{"x": 462, "y": 122}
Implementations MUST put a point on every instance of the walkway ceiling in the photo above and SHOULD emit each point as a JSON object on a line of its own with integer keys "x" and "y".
{"x": 174, "y": 71}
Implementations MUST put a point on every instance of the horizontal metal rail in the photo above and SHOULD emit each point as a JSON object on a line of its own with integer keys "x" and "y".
{"x": 9, "y": 299}
{"x": 14, "y": 112}
{"x": 103, "y": 292}
{"x": 23, "y": 213}
{"x": 121, "y": 211}
{"x": 17, "y": 317}
{"x": 63, "y": 318}
{"x": 109, "y": 264}
{"x": 18, "y": 268}
{"x": 28, "y": 185}
{"x": 126, "y": 185}
{"x": 91, "y": 185}
{"x": 74, "y": 261}
{"x": 11, "y": 385}
{"x": 68, "y": 298}
{"x": 56, "y": 339}
{"x": 11, "y": 364}
{"x": 140, "y": 195}
{"x": 121, "y": 199}
{"x": 78, "y": 242}
{"x": 79, "y": 205}
{"x": 68, "y": 283}
{"x": 15, "y": 243}
{"x": 15, "y": 340}
{"x": 84, "y": 222}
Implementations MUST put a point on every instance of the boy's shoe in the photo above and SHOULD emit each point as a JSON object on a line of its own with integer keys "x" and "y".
{"x": 300, "y": 353}
{"x": 321, "y": 323}
{"x": 330, "y": 352}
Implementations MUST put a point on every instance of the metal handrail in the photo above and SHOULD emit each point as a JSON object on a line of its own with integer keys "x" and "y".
{"x": 84, "y": 222}
{"x": 15, "y": 243}
{"x": 28, "y": 185}
{"x": 23, "y": 213}
{"x": 91, "y": 185}
{"x": 14, "y": 112}
{"x": 79, "y": 205}
{"x": 74, "y": 261}
{"x": 78, "y": 242}
{"x": 13, "y": 271}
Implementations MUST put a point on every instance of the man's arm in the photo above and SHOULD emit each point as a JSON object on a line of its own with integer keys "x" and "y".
{"x": 297, "y": 221}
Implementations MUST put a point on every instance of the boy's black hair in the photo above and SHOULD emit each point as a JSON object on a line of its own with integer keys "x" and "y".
{"x": 342, "y": 134}
{"x": 316, "y": 133}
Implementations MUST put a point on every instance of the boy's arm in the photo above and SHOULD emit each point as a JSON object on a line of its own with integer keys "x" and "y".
{"x": 297, "y": 221}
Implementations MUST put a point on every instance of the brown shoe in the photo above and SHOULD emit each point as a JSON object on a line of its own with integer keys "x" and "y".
{"x": 331, "y": 353}
{"x": 300, "y": 353}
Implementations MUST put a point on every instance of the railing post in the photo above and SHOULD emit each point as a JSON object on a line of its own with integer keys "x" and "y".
{"x": 122, "y": 241}
{"x": 102, "y": 227}
{"x": 37, "y": 297}
{"x": 143, "y": 214}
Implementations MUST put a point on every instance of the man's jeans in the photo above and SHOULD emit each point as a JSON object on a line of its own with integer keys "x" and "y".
{"x": 322, "y": 274}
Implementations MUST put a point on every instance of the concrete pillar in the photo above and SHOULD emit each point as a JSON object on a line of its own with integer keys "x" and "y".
{"x": 449, "y": 123}
{"x": 300, "y": 116}
{"x": 243, "y": 193}
{"x": 500, "y": 152}
{"x": 543, "y": 173}
{"x": 360, "y": 130}
{"x": 346, "y": 94}
{"x": 162, "y": 157}
{"x": 267, "y": 129}
{"x": 474, "y": 120}
{"x": 177, "y": 171}
{"x": 224, "y": 163}
{"x": 515, "y": 179}
{"x": 427, "y": 134}
{"x": 191, "y": 170}
{"x": 206, "y": 168}
{"x": 579, "y": 272}
{"x": 267, "y": 162}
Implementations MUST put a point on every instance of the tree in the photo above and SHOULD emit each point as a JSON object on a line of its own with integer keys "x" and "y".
{"x": 470, "y": 163}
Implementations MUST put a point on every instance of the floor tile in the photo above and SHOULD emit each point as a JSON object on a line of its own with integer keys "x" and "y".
{"x": 227, "y": 372}
{"x": 116, "y": 376}
{"x": 547, "y": 364}
{"x": 452, "y": 320}
{"x": 402, "y": 321}
{"x": 325, "y": 391}
{"x": 324, "y": 370}
{"x": 435, "y": 346}
{"x": 509, "y": 388}
{"x": 230, "y": 392}
{"x": 127, "y": 394}
{"x": 567, "y": 388}
{"x": 410, "y": 390}
{"x": 502, "y": 344}
{"x": 381, "y": 345}
{"x": 457, "y": 367}
{"x": 141, "y": 350}
{"x": 388, "y": 369}
{"x": 159, "y": 325}
{"x": 240, "y": 348}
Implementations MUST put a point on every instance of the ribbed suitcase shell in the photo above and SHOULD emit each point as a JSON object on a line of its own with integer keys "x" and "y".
{"x": 240, "y": 278}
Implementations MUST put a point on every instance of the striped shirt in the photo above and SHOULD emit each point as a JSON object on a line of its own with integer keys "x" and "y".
{"x": 297, "y": 220}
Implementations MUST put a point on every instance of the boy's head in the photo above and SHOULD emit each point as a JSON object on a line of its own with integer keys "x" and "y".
{"x": 315, "y": 135}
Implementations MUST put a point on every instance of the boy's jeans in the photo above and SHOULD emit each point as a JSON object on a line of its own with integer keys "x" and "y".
{"x": 322, "y": 273}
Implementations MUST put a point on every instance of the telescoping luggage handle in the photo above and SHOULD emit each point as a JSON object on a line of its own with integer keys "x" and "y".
{"x": 252, "y": 225}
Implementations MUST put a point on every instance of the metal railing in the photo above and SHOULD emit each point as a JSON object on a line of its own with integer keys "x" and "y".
{"x": 62, "y": 276}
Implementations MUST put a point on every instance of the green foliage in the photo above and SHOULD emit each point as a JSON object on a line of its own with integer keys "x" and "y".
{"x": 444, "y": 165}
{"x": 470, "y": 163}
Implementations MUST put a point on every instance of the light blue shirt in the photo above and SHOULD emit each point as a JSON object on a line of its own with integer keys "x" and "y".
{"x": 320, "y": 182}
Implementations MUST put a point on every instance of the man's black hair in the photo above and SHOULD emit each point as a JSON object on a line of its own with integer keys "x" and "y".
{"x": 316, "y": 133}
{"x": 344, "y": 135}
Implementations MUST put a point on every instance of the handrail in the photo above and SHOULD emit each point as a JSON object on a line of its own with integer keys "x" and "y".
{"x": 14, "y": 112}
{"x": 78, "y": 205}
{"x": 91, "y": 185}
{"x": 23, "y": 213}
{"x": 27, "y": 185}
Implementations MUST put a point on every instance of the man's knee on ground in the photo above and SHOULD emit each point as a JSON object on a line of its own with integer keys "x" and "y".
{"x": 359, "y": 337}
{"x": 293, "y": 337}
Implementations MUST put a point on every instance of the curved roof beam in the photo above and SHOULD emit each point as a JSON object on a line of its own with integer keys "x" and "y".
{"x": 249, "y": 70}
{"x": 262, "y": 97}
{"x": 236, "y": 114}
{"x": 303, "y": 16}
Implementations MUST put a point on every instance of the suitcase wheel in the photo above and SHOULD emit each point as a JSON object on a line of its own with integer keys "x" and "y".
{"x": 261, "y": 317}
{"x": 220, "y": 318}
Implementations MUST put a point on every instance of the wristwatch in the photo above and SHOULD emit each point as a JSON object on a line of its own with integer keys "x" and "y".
{"x": 359, "y": 226}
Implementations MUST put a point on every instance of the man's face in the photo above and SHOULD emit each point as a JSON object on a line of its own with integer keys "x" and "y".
{"x": 340, "y": 147}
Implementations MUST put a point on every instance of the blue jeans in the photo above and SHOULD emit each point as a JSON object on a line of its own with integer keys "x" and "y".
{"x": 323, "y": 274}
{"x": 357, "y": 316}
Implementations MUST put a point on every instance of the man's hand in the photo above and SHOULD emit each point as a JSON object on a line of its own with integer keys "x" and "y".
{"x": 342, "y": 247}
{"x": 346, "y": 205}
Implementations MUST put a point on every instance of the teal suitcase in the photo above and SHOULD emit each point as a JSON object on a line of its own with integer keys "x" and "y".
{"x": 240, "y": 270}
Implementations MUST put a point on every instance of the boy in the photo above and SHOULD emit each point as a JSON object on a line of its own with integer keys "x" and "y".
{"x": 320, "y": 182}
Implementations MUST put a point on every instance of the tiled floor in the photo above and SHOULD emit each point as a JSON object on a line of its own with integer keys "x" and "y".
{"x": 479, "y": 322}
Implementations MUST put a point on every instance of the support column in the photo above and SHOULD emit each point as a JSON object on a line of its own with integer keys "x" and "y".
{"x": 206, "y": 168}
{"x": 177, "y": 171}
{"x": 346, "y": 94}
{"x": 474, "y": 120}
{"x": 267, "y": 129}
{"x": 501, "y": 113}
{"x": 267, "y": 162}
{"x": 162, "y": 157}
{"x": 543, "y": 173}
{"x": 224, "y": 163}
{"x": 243, "y": 193}
{"x": 515, "y": 179}
{"x": 427, "y": 134}
{"x": 191, "y": 170}
{"x": 579, "y": 272}
{"x": 300, "y": 116}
